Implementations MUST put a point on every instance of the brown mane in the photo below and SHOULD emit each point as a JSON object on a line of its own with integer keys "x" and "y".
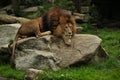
{"x": 51, "y": 18}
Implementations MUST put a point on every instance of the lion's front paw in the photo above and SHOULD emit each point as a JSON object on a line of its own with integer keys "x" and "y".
{"x": 68, "y": 42}
{"x": 49, "y": 32}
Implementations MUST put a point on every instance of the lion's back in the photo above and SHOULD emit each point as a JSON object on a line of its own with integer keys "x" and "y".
{"x": 51, "y": 18}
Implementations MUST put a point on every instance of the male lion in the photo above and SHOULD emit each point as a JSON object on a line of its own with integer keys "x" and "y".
{"x": 57, "y": 21}
{"x": 61, "y": 23}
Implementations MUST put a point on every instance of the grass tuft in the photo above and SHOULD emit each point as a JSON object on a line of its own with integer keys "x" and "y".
{"x": 8, "y": 72}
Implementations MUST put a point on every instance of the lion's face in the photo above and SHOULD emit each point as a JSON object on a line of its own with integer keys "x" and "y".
{"x": 67, "y": 33}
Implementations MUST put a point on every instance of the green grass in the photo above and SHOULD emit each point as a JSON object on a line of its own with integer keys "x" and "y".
{"x": 110, "y": 39}
{"x": 83, "y": 73}
{"x": 7, "y": 71}
{"x": 107, "y": 70}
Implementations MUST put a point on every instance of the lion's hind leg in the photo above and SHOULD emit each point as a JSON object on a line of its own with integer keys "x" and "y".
{"x": 45, "y": 33}
{"x": 40, "y": 34}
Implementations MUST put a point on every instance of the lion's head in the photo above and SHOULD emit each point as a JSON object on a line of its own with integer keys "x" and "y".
{"x": 66, "y": 31}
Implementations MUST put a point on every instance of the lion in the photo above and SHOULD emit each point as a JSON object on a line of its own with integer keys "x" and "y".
{"x": 64, "y": 32}
{"x": 28, "y": 29}
{"x": 55, "y": 21}
{"x": 61, "y": 23}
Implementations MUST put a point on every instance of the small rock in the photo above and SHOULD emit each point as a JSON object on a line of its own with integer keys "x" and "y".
{"x": 32, "y": 74}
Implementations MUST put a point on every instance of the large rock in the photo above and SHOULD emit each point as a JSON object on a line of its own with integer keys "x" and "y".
{"x": 7, "y": 33}
{"x": 51, "y": 52}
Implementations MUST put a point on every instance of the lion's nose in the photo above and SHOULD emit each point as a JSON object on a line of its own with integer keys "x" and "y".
{"x": 70, "y": 33}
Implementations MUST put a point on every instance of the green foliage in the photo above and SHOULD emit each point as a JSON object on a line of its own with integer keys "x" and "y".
{"x": 86, "y": 26}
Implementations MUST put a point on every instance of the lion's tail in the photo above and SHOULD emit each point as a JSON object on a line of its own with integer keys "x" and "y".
{"x": 13, "y": 49}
